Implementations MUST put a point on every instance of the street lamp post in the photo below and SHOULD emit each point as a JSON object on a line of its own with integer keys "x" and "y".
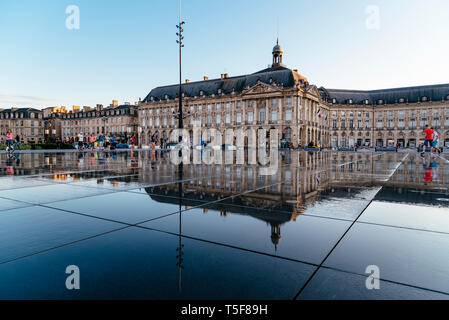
{"x": 181, "y": 45}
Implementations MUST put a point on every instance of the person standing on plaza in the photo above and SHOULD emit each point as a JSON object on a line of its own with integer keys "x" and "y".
{"x": 80, "y": 141}
{"x": 9, "y": 141}
{"x": 113, "y": 142}
{"x": 108, "y": 141}
{"x": 428, "y": 140}
{"x": 92, "y": 141}
{"x": 101, "y": 141}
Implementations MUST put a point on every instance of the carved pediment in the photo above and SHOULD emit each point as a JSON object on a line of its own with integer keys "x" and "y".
{"x": 261, "y": 88}
{"x": 313, "y": 90}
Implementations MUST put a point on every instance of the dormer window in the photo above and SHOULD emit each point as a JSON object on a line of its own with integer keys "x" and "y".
{"x": 166, "y": 97}
{"x": 424, "y": 99}
{"x": 447, "y": 97}
{"x": 380, "y": 101}
{"x": 219, "y": 91}
{"x": 151, "y": 98}
{"x": 271, "y": 80}
{"x": 334, "y": 101}
{"x": 350, "y": 101}
{"x": 366, "y": 101}
{"x": 401, "y": 100}
{"x": 201, "y": 93}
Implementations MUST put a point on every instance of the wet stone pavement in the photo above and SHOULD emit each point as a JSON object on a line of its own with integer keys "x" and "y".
{"x": 141, "y": 227}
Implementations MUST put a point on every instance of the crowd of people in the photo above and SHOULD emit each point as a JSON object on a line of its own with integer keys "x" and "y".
{"x": 93, "y": 142}
{"x": 160, "y": 143}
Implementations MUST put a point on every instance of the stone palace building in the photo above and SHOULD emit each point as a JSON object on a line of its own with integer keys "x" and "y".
{"x": 281, "y": 98}
{"x": 274, "y": 98}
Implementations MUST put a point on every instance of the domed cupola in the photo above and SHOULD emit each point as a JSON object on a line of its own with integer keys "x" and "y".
{"x": 277, "y": 55}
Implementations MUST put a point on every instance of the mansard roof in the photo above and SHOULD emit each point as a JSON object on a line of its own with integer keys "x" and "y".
{"x": 427, "y": 93}
{"x": 24, "y": 110}
{"x": 279, "y": 75}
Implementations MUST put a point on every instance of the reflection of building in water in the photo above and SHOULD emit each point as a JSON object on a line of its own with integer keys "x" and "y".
{"x": 301, "y": 179}
{"x": 282, "y": 201}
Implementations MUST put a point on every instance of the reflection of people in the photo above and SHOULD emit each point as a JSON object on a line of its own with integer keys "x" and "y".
{"x": 430, "y": 170}
{"x": 428, "y": 139}
{"x": 9, "y": 166}
{"x": 434, "y": 167}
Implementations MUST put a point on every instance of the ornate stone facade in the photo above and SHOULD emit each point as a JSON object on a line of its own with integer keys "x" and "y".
{"x": 119, "y": 121}
{"x": 273, "y": 98}
{"x": 28, "y": 123}
{"x": 387, "y": 117}
{"x": 278, "y": 97}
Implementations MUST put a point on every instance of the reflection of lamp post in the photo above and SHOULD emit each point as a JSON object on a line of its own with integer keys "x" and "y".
{"x": 180, "y": 248}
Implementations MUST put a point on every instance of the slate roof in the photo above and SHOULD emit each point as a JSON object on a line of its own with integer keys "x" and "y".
{"x": 20, "y": 110}
{"x": 93, "y": 113}
{"x": 25, "y": 111}
{"x": 279, "y": 75}
{"x": 437, "y": 92}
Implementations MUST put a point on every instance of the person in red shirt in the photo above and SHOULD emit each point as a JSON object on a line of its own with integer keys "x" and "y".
{"x": 428, "y": 140}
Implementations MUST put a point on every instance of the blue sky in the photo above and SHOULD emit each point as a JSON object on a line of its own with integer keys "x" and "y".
{"x": 123, "y": 49}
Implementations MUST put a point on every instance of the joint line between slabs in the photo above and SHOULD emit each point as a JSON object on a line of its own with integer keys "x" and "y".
{"x": 341, "y": 238}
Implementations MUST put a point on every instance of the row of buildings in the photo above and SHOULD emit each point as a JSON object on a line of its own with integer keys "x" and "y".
{"x": 57, "y": 123}
{"x": 274, "y": 98}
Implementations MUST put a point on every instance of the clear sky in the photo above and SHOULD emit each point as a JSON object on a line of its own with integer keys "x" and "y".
{"x": 123, "y": 49}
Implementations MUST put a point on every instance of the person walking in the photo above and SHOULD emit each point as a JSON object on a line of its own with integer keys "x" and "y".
{"x": 17, "y": 142}
{"x": 133, "y": 142}
{"x": 428, "y": 140}
{"x": 436, "y": 141}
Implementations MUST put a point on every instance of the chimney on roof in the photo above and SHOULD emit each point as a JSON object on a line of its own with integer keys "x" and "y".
{"x": 222, "y": 75}
{"x": 205, "y": 78}
{"x": 226, "y": 75}
{"x": 296, "y": 70}
{"x": 187, "y": 80}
